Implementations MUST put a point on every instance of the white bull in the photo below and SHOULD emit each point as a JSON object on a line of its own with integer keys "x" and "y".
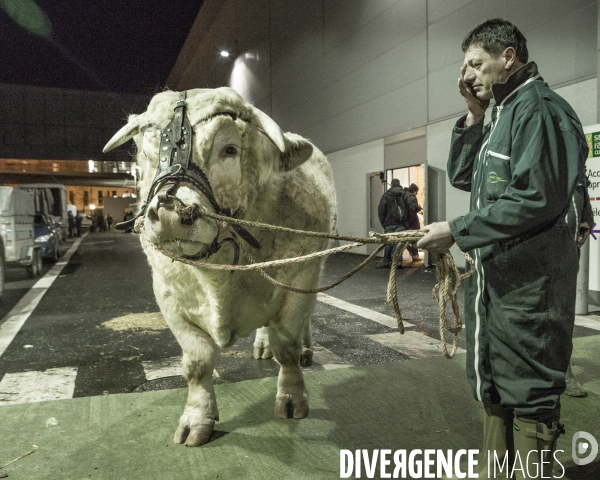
{"x": 255, "y": 173}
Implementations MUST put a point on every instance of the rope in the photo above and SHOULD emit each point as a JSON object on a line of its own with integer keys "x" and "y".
{"x": 447, "y": 274}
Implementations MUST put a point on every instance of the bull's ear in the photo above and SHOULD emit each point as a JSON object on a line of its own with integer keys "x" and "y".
{"x": 271, "y": 128}
{"x": 124, "y": 134}
{"x": 297, "y": 151}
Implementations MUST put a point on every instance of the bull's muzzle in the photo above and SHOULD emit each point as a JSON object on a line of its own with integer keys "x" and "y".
{"x": 177, "y": 227}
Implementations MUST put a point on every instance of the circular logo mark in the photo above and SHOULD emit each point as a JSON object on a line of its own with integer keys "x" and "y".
{"x": 588, "y": 447}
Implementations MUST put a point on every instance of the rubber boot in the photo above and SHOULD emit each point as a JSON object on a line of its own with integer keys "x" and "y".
{"x": 496, "y": 454}
{"x": 535, "y": 444}
{"x": 574, "y": 388}
{"x": 497, "y": 437}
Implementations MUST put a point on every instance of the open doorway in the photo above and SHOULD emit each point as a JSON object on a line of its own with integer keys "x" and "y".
{"x": 407, "y": 176}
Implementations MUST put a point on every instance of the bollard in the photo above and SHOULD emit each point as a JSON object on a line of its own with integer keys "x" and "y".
{"x": 581, "y": 300}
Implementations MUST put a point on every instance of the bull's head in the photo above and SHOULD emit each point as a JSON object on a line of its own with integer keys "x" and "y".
{"x": 204, "y": 149}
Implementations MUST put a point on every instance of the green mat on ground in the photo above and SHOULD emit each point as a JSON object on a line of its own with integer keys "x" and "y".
{"x": 414, "y": 404}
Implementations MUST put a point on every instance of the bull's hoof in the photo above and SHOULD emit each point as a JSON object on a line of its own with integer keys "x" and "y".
{"x": 306, "y": 359}
{"x": 181, "y": 434}
{"x": 194, "y": 437}
{"x": 300, "y": 409}
{"x": 262, "y": 353}
{"x": 285, "y": 407}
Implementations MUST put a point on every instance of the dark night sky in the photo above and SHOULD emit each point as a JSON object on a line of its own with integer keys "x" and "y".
{"x": 125, "y": 46}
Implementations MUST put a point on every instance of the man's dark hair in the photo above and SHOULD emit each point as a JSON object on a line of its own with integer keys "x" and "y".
{"x": 494, "y": 36}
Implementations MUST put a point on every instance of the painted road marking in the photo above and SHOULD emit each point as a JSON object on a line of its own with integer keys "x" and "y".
{"x": 167, "y": 367}
{"x": 413, "y": 344}
{"x": 589, "y": 321}
{"x": 14, "y": 320}
{"x": 367, "y": 313}
{"x": 29, "y": 387}
{"x": 327, "y": 359}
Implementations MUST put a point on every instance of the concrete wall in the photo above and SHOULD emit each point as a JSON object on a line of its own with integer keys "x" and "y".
{"x": 350, "y": 169}
{"x": 350, "y": 74}
{"x": 346, "y": 72}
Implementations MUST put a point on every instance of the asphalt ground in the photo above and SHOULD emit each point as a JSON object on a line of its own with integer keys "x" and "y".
{"x": 99, "y": 319}
{"x": 107, "y": 278}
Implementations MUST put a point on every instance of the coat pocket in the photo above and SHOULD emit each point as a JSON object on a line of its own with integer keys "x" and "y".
{"x": 498, "y": 174}
{"x": 521, "y": 276}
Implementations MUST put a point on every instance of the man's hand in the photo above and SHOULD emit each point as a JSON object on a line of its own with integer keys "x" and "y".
{"x": 438, "y": 239}
{"x": 584, "y": 233}
{"x": 475, "y": 106}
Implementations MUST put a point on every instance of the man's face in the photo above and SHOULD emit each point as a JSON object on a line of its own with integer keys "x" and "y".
{"x": 482, "y": 70}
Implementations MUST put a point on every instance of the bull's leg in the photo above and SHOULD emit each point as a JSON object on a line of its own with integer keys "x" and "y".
{"x": 261, "y": 344}
{"x": 200, "y": 413}
{"x": 262, "y": 349}
{"x": 307, "y": 350}
{"x": 285, "y": 338}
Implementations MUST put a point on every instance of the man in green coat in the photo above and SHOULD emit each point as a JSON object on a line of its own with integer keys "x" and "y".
{"x": 522, "y": 169}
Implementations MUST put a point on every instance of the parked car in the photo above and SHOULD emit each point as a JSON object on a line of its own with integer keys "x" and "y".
{"x": 46, "y": 236}
{"x": 51, "y": 199}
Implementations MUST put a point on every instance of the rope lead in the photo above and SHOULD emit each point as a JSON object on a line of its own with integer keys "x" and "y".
{"x": 446, "y": 272}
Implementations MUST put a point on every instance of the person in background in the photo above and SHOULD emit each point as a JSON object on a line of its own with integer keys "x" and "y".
{"x": 412, "y": 219}
{"x": 128, "y": 216}
{"x": 101, "y": 223}
{"x": 391, "y": 211}
{"x": 71, "y": 223}
{"x": 522, "y": 170}
{"x": 109, "y": 221}
{"x": 78, "y": 220}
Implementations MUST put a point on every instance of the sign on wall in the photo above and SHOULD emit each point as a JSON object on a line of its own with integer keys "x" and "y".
{"x": 592, "y": 134}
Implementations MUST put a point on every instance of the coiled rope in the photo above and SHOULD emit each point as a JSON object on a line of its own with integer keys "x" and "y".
{"x": 447, "y": 274}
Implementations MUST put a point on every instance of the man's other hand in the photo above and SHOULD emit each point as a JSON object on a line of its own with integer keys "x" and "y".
{"x": 438, "y": 239}
{"x": 584, "y": 233}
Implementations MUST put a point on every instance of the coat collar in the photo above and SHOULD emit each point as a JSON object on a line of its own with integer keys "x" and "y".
{"x": 503, "y": 90}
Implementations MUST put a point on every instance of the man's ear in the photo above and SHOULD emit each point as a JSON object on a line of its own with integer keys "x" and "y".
{"x": 297, "y": 151}
{"x": 510, "y": 58}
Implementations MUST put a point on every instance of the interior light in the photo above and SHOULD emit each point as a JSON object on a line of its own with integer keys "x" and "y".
{"x": 224, "y": 53}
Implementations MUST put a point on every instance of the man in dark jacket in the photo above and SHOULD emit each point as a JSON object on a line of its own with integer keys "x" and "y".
{"x": 391, "y": 211}
{"x": 522, "y": 170}
{"x": 412, "y": 219}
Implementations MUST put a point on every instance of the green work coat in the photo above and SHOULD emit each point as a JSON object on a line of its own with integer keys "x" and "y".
{"x": 521, "y": 169}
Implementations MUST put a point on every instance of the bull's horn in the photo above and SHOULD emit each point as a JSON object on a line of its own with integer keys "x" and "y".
{"x": 271, "y": 128}
{"x": 124, "y": 134}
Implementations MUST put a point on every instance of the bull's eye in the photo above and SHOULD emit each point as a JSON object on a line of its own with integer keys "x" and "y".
{"x": 231, "y": 150}
{"x": 148, "y": 129}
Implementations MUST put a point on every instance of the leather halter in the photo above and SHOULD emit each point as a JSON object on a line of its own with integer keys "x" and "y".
{"x": 175, "y": 167}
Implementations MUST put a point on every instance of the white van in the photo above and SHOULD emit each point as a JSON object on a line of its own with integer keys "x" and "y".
{"x": 17, "y": 246}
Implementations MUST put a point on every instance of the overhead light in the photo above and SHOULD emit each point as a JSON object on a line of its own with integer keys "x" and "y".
{"x": 224, "y": 53}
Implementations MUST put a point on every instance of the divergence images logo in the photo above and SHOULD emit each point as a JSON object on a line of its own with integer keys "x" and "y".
{"x": 588, "y": 446}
